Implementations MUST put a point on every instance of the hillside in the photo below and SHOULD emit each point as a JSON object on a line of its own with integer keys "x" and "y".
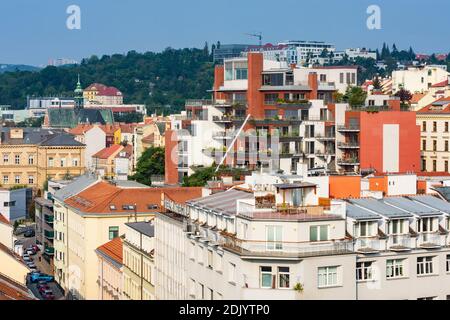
{"x": 162, "y": 80}
{"x": 17, "y": 67}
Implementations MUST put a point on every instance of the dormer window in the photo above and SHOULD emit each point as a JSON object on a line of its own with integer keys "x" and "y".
{"x": 128, "y": 207}
{"x": 112, "y": 207}
{"x": 152, "y": 206}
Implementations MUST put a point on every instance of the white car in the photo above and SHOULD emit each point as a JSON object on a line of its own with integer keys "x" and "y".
{"x": 27, "y": 259}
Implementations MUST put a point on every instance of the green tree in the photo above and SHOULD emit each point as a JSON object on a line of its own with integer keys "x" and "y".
{"x": 150, "y": 163}
{"x": 355, "y": 96}
{"x": 404, "y": 95}
{"x": 200, "y": 177}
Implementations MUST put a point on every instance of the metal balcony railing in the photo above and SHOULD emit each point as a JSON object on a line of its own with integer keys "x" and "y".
{"x": 349, "y": 128}
{"x": 400, "y": 242}
{"x": 348, "y": 145}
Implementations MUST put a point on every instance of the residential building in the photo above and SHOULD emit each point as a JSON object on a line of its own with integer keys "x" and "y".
{"x": 110, "y": 266}
{"x": 227, "y": 51}
{"x": 139, "y": 266}
{"x": 275, "y": 238}
{"x": 94, "y": 137}
{"x": 13, "y": 290}
{"x": 104, "y": 162}
{"x": 353, "y": 53}
{"x": 31, "y": 156}
{"x": 434, "y": 121}
{"x": 6, "y": 233}
{"x": 12, "y": 265}
{"x": 418, "y": 79}
{"x": 103, "y": 95}
{"x": 15, "y": 202}
{"x": 91, "y": 217}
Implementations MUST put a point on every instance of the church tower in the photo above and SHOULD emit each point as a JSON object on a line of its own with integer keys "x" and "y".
{"x": 79, "y": 100}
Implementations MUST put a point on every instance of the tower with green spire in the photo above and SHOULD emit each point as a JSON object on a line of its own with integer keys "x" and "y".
{"x": 79, "y": 100}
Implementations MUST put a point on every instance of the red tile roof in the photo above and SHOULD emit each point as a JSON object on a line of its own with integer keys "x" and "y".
{"x": 441, "y": 105}
{"x": 113, "y": 250}
{"x": 80, "y": 129}
{"x": 4, "y": 220}
{"x": 109, "y": 128}
{"x": 105, "y": 198}
{"x": 108, "y": 152}
{"x": 104, "y": 90}
{"x": 440, "y": 84}
{"x": 416, "y": 97}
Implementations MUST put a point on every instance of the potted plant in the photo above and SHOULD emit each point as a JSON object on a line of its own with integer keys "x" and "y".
{"x": 299, "y": 287}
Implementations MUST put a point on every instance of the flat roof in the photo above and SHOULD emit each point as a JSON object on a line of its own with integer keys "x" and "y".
{"x": 285, "y": 186}
{"x": 146, "y": 228}
{"x": 223, "y": 202}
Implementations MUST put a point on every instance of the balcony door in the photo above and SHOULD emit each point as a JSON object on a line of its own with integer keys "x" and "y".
{"x": 274, "y": 238}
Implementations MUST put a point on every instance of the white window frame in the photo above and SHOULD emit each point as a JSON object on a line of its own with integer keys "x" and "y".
{"x": 319, "y": 233}
{"x": 395, "y": 268}
{"x": 327, "y": 276}
{"x": 425, "y": 266}
{"x": 274, "y": 238}
{"x": 364, "y": 271}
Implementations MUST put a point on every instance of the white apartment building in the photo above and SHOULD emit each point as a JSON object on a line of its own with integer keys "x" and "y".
{"x": 418, "y": 79}
{"x": 270, "y": 239}
{"x": 340, "y": 77}
{"x": 354, "y": 53}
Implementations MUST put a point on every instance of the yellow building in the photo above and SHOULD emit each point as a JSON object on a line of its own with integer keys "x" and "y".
{"x": 30, "y": 156}
{"x": 110, "y": 267}
{"x": 434, "y": 121}
{"x": 104, "y": 95}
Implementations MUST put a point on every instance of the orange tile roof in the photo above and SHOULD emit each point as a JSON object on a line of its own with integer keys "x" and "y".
{"x": 4, "y": 220}
{"x": 105, "y": 198}
{"x": 416, "y": 97}
{"x": 108, "y": 152}
{"x": 11, "y": 290}
{"x": 113, "y": 250}
{"x": 80, "y": 129}
{"x": 440, "y": 84}
{"x": 109, "y": 128}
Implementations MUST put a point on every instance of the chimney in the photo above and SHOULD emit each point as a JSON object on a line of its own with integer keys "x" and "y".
{"x": 313, "y": 85}
{"x": 16, "y": 133}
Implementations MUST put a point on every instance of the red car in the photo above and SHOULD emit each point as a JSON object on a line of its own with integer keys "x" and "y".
{"x": 35, "y": 248}
{"x": 48, "y": 295}
{"x": 44, "y": 287}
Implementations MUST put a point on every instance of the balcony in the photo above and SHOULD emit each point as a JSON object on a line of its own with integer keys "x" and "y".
{"x": 324, "y": 137}
{"x": 429, "y": 240}
{"x": 281, "y": 249}
{"x": 350, "y": 145}
{"x": 49, "y": 234}
{"x": 50, "y": 251}
{"x": 197, "y": 103}
{"x": 322, "y": 118}
{"x": 230, "y": 103}
{"x": 297, "y": 104}
{"x": 399, "y": 243}
{"x": 367, "y": 245}
{"x": 221, "y": 135}
{"x": 287, "y": 212}
{"x": 325, "y": 153}
{"x": 223, "y": 119}
{"x": 348, "y": 162}
{"x": 49, "y": 219}
{"x": 349, "y": 129}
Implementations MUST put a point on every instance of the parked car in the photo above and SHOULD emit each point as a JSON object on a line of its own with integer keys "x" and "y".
{"x": 29, "y": 233}
{"x": 31, "y": 264}
{"x": 36, "y": 277}
{"x": 30, "y": 251}
{"x": 43, "y": 288}
{"x": 27, "y": 258}
{"x": 48, "y": 295}
{"x": 35, "y": 248}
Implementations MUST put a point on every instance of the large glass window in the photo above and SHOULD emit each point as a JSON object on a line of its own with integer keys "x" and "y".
{"x": 284, "y": 277}
{"x": 364, "y": 271}
{"x": 266, "y": 277}
{"x": 274, "y": 237}
{"x": 395, "y": 268}
{"x": 424, "y": 265}
{"x": 113, "y": 232}
{"x": 318, "y": 233}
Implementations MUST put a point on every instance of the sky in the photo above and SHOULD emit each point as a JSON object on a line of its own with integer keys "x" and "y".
{"x": 32, "y": 32}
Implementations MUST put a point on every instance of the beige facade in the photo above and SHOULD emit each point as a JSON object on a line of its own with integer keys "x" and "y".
{"x": 12, "y": 265}
{"x": 435, "y": 141}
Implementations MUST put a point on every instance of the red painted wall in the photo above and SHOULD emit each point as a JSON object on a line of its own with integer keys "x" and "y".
{"x": 171, "y": 157}
{"x": 254, "y": 96}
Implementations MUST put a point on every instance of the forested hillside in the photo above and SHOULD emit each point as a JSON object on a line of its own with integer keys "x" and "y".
{"x": 160, "y": 80}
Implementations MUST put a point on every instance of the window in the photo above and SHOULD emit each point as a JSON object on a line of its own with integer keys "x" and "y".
{"x": 274, "y": 237}
{"x": 363, "y": 229}
{"x": 231, "y": 272}
{"x": 425, "y": 225}
{"x": 396, "y": 227}
{"x": 192, "y": 253}
{"x": 63, "y": 162}
{"x": 446, "y": 145}
{"x": 364, "y": 271}
{"x": 323, "y": 78}
{"x": 5, "y": 179}
{"x": 341, "y": 77}
{"x": 210, "y": 259}
{"x": 270, "y": 98}
{"x": 17, "y": 179}
{"x": 434, "y": 126}
{"x": 434, "y": 165}
{"x": 30, "y": 160}
{"x": 327, "y": 276}
{"x": 353, "y": 78}
{"x": 318, "y": 233}
{"x": 424, "y": 126}
{"x": 284, "y": 277}
{"x": 50, "y": 162}
{"x": 5, "y": 158}
{"x": 434, "y": 145}
{"x": 447, "y": 263}
{"x": 266, "y": 277}
{"x": 395, "y": 268}
{"x": 424, "y": 145}
{"x": 75, "y": 162}
{"x": 446, "y": 127}
{"x": 113, "y": 232}
{"x": 424, "y": 265}
{"x": 30, "y": 180}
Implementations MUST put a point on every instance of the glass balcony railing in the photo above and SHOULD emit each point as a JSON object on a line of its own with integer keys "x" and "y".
{"x": 49, "y": 234}
{"x": 49, "y": 219}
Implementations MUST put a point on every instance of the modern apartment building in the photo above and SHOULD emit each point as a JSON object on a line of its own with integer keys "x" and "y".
{"x": 434, "y": 121}
{"x": 30, "y": 156}
{"x": 255, "y": 100}
{"x": 139, "y": 265}
{"x": 274, "y": 238}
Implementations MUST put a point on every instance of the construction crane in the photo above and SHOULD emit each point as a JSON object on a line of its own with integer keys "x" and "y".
{"x": 256, "y": 35}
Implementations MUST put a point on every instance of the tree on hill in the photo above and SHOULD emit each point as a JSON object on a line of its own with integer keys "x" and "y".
{"x": 150, "y": 163}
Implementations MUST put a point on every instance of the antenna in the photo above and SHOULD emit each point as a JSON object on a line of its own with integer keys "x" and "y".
{"x": 257, "y": 35}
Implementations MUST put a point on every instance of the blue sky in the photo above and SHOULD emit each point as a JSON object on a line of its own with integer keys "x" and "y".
{"x": 33, "y": 31}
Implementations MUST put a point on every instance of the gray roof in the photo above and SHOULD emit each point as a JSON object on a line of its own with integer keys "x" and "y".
{"x": 411, "y": 206}
{"x": 78, "y": 185}
{"x": 39, "y": 136}
{"x": 433, "y": 202}
{"x": 129, "y": 184}
{"x": 295, "y": 185}
{"x": 61, "y": 140}
{"x": 381, "y": 208}
{"x": 146, "y": 228}
{"x": 358, "y": 213}
{"x": 444, "y": 192}
{"x": 222, "y": 202}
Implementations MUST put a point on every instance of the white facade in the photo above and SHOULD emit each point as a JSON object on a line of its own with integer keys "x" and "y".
{"x": 95, "y": 140}
{"x": 13, "y": 205}
{"x": 418, "y": 79}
